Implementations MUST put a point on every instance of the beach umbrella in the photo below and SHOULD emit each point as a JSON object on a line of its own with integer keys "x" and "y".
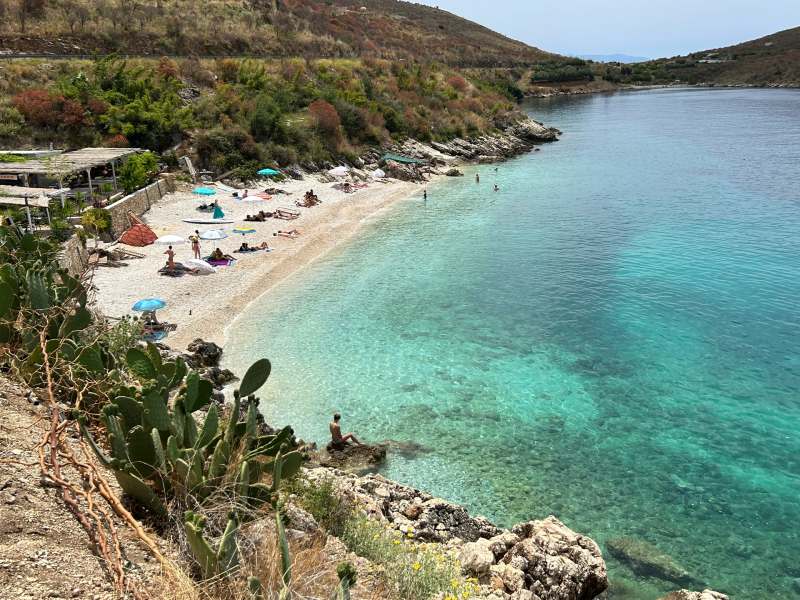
{"x": 204, "y": 191}
{"x": 243, "y": 230}
{"x": 218, "y": 214}
{"x": 149, "y": 304}
{"x": 268, "y": 172}
{"x": 201, "y": 266}
{"x": 379, "y": 173}
{"x": 169, "y": 240}
{"x": 213, "y": 234}
{"x": 339, "y": 171}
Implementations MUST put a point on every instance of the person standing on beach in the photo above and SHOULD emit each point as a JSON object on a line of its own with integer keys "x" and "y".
{"x": 336, "y": 432}
{"x": 170, "y": 258}
{"x": 195, "y": 239}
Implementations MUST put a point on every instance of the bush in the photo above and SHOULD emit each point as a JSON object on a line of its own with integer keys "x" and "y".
{"x": 137, "y": 171}
{"x": 61, "y": 230}
{"x": 328, "y": 122}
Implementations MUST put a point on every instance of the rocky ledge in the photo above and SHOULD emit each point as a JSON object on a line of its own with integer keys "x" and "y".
{"x": 538, "y": 560}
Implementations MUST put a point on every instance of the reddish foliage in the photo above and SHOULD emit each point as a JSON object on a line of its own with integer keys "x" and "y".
{"x": 96, "y": 106}
{"x": 37, "y": 107}
{"x": 43, "y": 109}
{"x": 116, "y": 141}
{"x": 167, "y": 68}
{"x": 327, "y": 119}
{"x": 457, "y": 82}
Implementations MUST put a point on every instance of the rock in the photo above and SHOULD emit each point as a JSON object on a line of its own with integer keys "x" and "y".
{"x": 533, "y": 131}
{"x": 476, "y": 558}
{"x": 687, "y": 595}
{"x": 352, "y": 457}
{"x": 513, "y": 579}
{"x": 300, "y": 519}
{"x": 647, "y": 560}
{"x": 403, "y": 172}
{"x": 500, "y": 544}
{"x": 204, "y": 354}
{"x": 454, "y": 173}
{"x": 219, "y": 377}
{"x": 562, "y": 565}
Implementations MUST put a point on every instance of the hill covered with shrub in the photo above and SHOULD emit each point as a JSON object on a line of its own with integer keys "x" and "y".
{"x": 773, "y": 60}
{"x": 388, "y": 29}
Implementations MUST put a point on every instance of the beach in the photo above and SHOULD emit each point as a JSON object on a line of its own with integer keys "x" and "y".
{"x": 203, "y": 306}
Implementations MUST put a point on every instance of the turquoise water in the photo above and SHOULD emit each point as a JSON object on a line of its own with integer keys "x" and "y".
{"x": 612, "y": 338}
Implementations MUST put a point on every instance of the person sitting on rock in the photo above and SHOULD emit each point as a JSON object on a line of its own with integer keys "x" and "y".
{"x": 337, "y": 439}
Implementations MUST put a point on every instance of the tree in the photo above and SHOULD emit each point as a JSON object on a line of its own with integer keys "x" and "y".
{"x": 137, "y": 171}
{"x": 29, "y": 9}
{"x": 97, "y": 221}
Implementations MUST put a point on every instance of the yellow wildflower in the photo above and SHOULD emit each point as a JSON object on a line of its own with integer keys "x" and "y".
{"x": 410, "y": 534}
{"x": 416, "y": 566}
{"x": 396, "y": 542}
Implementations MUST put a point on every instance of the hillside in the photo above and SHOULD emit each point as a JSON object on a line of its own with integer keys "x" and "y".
{"x": 266, "y": 28}
{"x": 773, "y": 60}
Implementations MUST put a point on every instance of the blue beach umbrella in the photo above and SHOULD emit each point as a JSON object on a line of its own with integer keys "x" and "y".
{"x": 149, "y": 304}
{"x": 243, "y": 230}
{"x": 204, "y": 191}
{"x": 268, "y": 172}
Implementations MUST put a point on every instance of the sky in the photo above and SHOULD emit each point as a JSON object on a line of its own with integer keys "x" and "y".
{"x": 649, "y": 28}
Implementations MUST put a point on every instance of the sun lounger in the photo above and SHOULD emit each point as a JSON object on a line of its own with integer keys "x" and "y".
{"x": 286, "y": 213}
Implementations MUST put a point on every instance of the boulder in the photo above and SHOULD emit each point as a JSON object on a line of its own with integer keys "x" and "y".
{"x": 687, "y": 595}
{"x": 645, "y": 559}
{"x": 204, "y": 354}
{"x": 533, "y": 131}
{"x": 476, "y": 558}
{"x": 403, "y": 172}
{"x": 561, "y": 564}
{"x": 219, "y": 377}
{"x": 454, "y": 173}
{"x": 352, "y": 457}
{"x": 294, "y": 172}
{"x": 510, "y": 578}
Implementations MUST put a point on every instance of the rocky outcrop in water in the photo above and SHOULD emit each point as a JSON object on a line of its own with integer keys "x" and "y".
{"x": 645, "y": 559}
{"x": 687, "y": 595}
{"x": 352, "y": 457}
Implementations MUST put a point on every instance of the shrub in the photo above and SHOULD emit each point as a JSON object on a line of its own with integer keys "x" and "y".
{"x": 328, "y": 122}
{"x": 137, "y": 171}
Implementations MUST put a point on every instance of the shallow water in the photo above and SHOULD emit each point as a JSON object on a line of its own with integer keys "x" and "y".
{"x": 612, "y": 338}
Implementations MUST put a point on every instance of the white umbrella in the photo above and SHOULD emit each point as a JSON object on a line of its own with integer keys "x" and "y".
{"x": 168, "y": 240}
{"x": 379, "y": 173}
{"x": 213, "y": 234}
{"x": 339, "y": 171}
{"x": 196, "y": 264}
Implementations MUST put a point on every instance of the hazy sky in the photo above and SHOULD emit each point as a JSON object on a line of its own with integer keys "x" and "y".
{"x": 651, "y": 28}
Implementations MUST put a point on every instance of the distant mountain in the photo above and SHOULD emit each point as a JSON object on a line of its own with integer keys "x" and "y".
{"x": 773, "y": 60}
{"x": 388, "y": 29}
{"x": 620, "y": 58}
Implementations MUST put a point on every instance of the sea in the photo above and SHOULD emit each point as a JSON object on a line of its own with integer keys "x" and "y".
{"x": 612, "y": 338}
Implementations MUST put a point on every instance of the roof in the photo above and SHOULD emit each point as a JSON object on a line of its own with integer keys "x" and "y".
{"x": 401, "y": 159}
{"x": 14, "y": 195}
{"x": 68, "y": 162}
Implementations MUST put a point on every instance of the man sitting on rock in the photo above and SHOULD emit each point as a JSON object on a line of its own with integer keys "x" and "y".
{"x": 338, "y": 441}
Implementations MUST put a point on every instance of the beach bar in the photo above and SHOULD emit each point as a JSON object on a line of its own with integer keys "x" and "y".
{"x": 27, "y": 198}
{"x": 59, "y": 168}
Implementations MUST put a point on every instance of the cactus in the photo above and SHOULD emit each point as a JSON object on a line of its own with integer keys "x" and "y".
{"x": 347, "y": 579}
{"x": 156, "y": 442}
{"x": 212, "y": 561}
{"x": 286, "y": 559}
{"x": 255, "y": 588}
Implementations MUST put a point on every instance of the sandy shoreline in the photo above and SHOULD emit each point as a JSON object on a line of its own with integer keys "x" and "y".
{"x": 203, "y": 306}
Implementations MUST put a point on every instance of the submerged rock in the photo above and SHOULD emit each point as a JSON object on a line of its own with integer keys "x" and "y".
{"x": 645, "y": 559}
{"x": 687, "y": 595}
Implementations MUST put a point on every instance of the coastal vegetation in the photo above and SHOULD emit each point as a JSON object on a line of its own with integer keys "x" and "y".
{"x": 239, "y": 113}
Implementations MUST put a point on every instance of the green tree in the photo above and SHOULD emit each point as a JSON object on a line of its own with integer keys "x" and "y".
{"x": 137, "y": 171}
{"x": 97, "y": 221}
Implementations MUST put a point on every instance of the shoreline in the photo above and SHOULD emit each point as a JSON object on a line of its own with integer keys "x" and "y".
{"x": 205, "y": 306}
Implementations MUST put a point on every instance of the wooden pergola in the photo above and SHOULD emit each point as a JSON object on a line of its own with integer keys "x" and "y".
{"x": 61, "y": 166}
{"x": 14, "y": 195}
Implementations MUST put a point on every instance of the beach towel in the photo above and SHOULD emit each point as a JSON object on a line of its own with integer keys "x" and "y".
{"x": 222, "y": 262}
{"x": 252, "y": 250}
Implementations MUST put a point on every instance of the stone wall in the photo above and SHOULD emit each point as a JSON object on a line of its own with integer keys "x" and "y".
{"x": 138, "y": 203}
{"x": 74, "y": 257}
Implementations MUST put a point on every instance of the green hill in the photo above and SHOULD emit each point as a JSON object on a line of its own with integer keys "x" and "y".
{"x": 773, "y": 60}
